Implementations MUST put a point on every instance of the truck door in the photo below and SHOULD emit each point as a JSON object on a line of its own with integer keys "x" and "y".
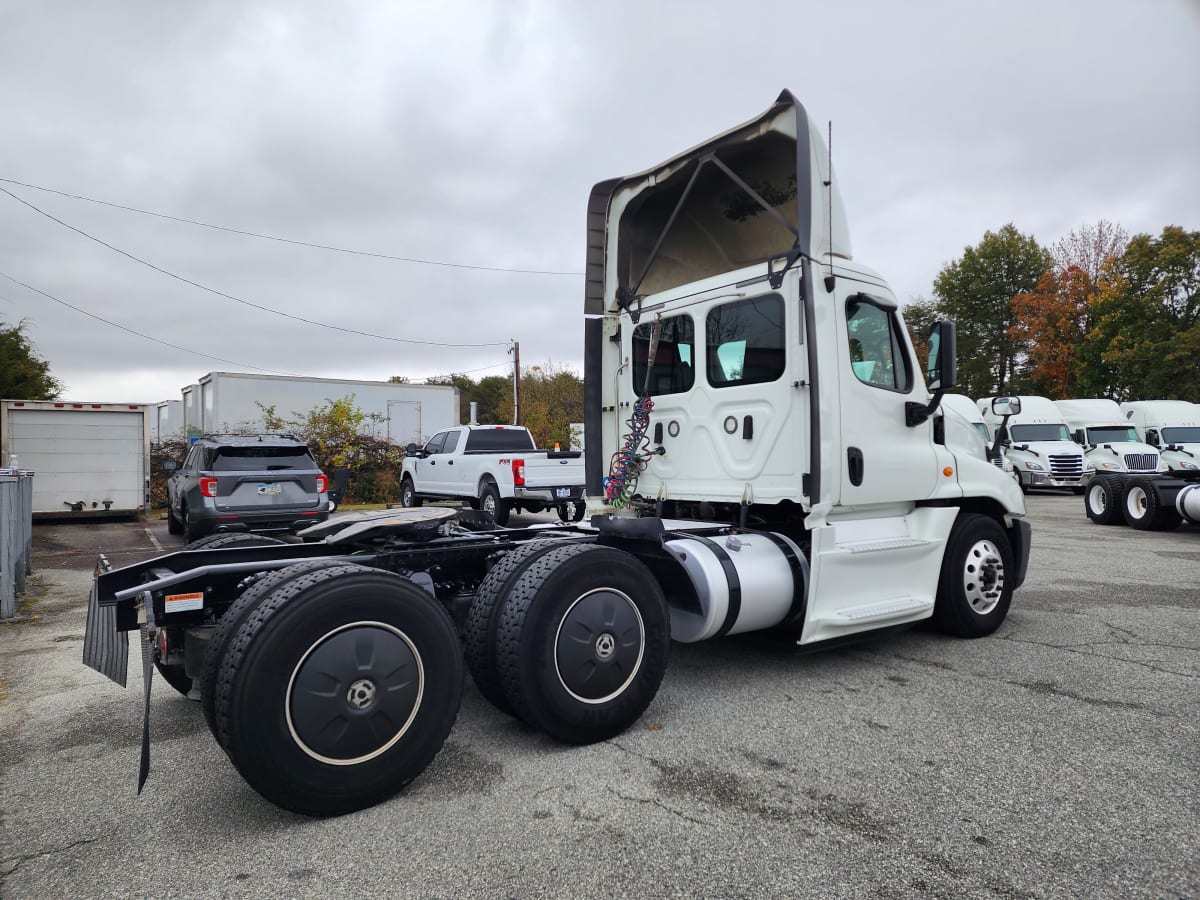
{"x": 430, "y": 475}
{"x": 883, "y": 460}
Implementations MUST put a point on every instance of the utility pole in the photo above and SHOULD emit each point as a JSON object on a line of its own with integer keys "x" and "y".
{"x": 515, "y": 350}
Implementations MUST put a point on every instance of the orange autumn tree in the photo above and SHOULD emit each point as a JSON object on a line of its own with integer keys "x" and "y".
{"x": 1051, "y": 323}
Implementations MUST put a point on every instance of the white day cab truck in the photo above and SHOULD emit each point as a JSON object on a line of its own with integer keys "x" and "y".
{"x": 496, "y": 468}
{"x": 1172, "y": 427}
{"x": 1132, "y": 484}
{"x": 90, "y": 460}
{"x": 1039, "y": 445}
{"x": 762, "y": 452}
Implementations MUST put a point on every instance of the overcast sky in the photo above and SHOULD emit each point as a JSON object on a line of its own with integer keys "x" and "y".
{"x": 471, "y": 133}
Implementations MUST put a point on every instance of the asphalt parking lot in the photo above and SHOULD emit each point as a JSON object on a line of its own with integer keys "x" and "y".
{"x": 1055, "y": 758}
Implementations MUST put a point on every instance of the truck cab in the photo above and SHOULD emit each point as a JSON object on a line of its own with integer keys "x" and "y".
{"x": 1107, "y": 437}
{"x": 964, "y": 425}
{"x": 1172, "y": 427}
{"x": 1038, "y": 444}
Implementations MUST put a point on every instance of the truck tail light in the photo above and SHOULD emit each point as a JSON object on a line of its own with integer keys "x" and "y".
{"x": 208, "y": 487}
{"x": 322, "y": 483}
{"x": 518, "y": 469}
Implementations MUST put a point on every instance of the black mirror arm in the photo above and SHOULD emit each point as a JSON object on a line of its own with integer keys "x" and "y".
{"x": 916, "y": 413}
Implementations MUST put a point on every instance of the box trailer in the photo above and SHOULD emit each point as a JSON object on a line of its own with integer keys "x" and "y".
{"x": 406, "y": 413}
{"x": 168, "y": 420}
{"x": 89, "y": 459}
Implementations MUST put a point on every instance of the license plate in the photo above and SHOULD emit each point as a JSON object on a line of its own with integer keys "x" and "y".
{"x": 270, "y": 490}
{"x": 563, "y": 492}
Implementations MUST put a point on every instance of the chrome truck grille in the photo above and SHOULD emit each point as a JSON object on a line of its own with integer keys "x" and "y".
{"x": 1141, "y": 462}
{"x": 1066, "y": 466}
{"x": 998, "y": 462}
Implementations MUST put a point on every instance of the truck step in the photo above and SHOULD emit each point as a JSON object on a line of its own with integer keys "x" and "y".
{"x": 898, "y": 543}
{"x": 883, "y": 609}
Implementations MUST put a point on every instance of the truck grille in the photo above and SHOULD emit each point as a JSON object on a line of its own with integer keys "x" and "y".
{"x": 1066, "y": 466}
{"x": 1141, "y": 462}
{"x": 998, "y": 462}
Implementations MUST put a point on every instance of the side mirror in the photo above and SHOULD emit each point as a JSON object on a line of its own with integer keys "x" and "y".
{"x": 1006, "y": 406}
{"x": 412, "y": 450}
{"x": 169, "y": 465}
{"x": 941, "y": 372}
{"x": 1152, "y": 437}
{"x": 1080, "y": 436}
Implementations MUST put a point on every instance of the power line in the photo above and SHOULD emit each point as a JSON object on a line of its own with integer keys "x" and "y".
{"x": 506, "y": 364}
{"x": 204, "y": 287}
{"x": 138, "y": 333}
{"x": 283, "y": 240}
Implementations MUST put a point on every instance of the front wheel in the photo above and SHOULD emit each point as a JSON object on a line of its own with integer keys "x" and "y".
{"x": 976, "y": 583}
{"x": 408, "y": 495}
{"x": 581, "y": 642}
{"x": 339, "y": 689}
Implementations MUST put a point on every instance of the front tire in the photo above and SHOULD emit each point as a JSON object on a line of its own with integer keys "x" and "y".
{"x": 174, "y": 526}
{"x": 339, "y": 689}
{"x": 976, "y": 584}
{"x": 408, "y": 494}
{"x": 1102, "y": 502}
{"x": 582, "y": 641}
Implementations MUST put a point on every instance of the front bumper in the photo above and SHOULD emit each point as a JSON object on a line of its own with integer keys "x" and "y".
{"x": 1046, "y": 479}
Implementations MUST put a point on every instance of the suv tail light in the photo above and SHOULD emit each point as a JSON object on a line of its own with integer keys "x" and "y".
{"x": 518, "y": 469}
{"x": 208, "y": 487}
{"x": 322, "y": 483}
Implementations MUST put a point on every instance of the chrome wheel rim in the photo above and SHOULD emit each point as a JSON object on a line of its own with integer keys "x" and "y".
{"x": 983, "y": 577}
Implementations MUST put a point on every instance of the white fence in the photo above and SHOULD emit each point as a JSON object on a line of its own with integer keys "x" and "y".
{"x": 16, "y": 536}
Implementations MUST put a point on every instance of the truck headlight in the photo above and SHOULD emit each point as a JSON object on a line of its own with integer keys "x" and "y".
{"x": 1089, "y": 466}
{"x": 1113, "y": 466}
{"x": 1034, "y": 467}
{"x": 1162, "y": 466}
{"x": 1188, "y": 465}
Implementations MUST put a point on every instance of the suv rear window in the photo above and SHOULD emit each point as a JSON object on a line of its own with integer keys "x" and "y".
{"x": 250, "y": 459}
{"x": 499, "y": 439}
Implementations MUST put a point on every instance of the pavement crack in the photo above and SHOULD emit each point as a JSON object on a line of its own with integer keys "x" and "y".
{"x": 1083, "y": 649}
{"x": 652, "y": 801}
{"x": 18, "y": 861}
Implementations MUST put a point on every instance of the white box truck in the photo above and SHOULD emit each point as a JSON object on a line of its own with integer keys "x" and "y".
{"x": 1038, "y": 444}
{"x": 1170, "y": 426}
{"x": 762, "y": 453}
{"x": 404, "y": 413}
{"x": 89, "y": 459}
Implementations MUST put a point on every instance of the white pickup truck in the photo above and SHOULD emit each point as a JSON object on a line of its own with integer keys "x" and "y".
{"x": 496, "y": 468}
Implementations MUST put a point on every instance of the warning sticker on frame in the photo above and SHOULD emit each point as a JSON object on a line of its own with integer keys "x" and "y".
{"x": 175, "y": 603}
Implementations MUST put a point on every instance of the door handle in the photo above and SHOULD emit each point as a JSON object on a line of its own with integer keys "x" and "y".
{"x": 854, "y": 459}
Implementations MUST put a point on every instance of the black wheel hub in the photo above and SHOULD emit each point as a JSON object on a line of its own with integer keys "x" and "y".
{"x": 354, "y": 693}
{"x": 599, "y": 646}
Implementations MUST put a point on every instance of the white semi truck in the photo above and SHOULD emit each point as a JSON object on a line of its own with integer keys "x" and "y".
{"x": 959, "y": 411}
{"x": 762, "y": 453}
{"x": 1038, "y": 443}
{"x": 91, "y": 460}
{"x": 1107, "y": 437}
{"x": 1172, "y": 427}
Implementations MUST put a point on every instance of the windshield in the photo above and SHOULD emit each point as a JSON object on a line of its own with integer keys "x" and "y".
{"x": 1022, "y": 433}
{"x": 1113, "y": 434}
{"x": 1187, "y": 435}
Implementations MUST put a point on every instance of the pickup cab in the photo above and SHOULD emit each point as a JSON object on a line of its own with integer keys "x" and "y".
{"x": 495, "y": 468}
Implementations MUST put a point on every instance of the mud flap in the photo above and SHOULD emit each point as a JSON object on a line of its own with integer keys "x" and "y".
{"x": 105, "y": 648}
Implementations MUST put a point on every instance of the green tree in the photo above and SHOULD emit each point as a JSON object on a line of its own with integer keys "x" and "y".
{"x": 976, "y": 291}
{"x": 1145, "y": 341}
{"x": 23, "y": 374}
{"x": 919, "y": 316}
{"x": 551, "y": 399}
{"x": 487, "y": 394}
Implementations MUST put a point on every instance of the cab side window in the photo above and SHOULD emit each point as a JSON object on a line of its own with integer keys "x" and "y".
{"x": 451, "y": 442}
{"x": 672, "y": 372}
{"x": 877, "y": 352}
{"x": 435, "y": 444}
{"x": 744, "y": 342}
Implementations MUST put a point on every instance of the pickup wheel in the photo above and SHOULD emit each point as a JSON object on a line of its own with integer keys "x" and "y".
{"x": 261, "y": 586}
{"x": 581, "y": 642}
{"x": 1143, "y": 511}
{"x": 976, "y": 583}
{"x": 174, "y": 526}
{"x": 491, "y": 502}
{"x": 1102, "y": 502}
{"x": 408, "y": 494}
{"x": 479, "y": 632}
{"x": 338, "y": 689}
{"x": 571, "y": 512}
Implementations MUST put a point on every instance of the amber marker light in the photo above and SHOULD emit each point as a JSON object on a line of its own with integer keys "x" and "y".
{"x": 947, "y": 471}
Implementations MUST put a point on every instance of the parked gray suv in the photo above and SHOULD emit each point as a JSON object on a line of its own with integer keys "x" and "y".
{"x": 246, "y": 482}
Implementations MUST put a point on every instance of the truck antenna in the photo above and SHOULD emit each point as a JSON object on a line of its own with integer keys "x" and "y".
{"x": 830, "y": 281}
